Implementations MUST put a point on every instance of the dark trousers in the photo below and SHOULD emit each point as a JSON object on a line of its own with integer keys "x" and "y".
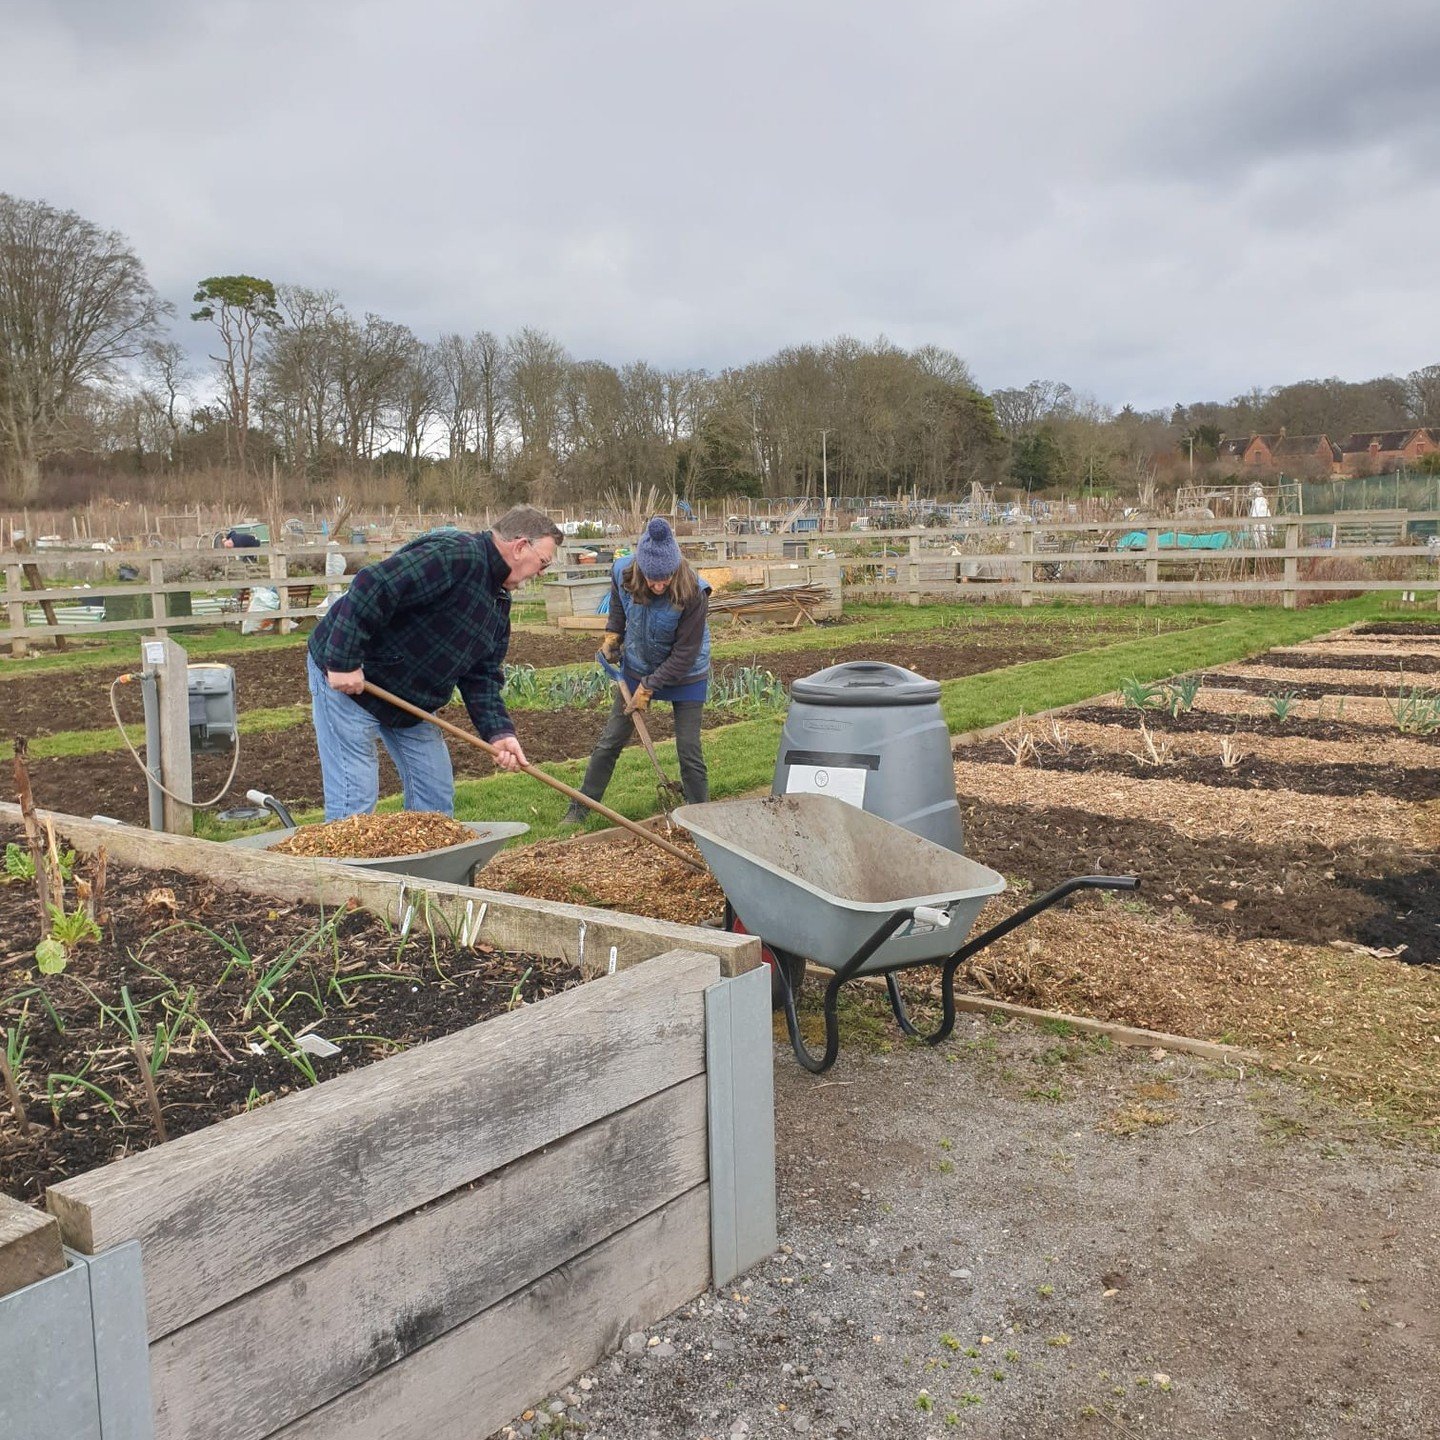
{"x": 619, "y": 731}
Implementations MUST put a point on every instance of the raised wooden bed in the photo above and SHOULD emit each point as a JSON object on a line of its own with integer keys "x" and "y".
{"x": 427, "y": 1245}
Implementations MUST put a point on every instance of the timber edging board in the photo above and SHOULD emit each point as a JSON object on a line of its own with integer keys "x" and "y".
{"x": 309, "y": 1336}
{"x": 580, "y": 934}
{"x": 30, "y": 1247}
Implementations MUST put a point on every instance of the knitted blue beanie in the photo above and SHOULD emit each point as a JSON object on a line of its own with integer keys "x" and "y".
{"x": 658, "y": 553}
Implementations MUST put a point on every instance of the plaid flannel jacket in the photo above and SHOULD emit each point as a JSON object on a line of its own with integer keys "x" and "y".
{"x": 433, "y": 616}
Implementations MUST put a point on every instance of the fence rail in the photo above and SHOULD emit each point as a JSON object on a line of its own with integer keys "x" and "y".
{"x": 1263, "y": 559}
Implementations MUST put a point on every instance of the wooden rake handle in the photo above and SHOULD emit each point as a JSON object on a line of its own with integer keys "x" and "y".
{"x": 672, "y": 850}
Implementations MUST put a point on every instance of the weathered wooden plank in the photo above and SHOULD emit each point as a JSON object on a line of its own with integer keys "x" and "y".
{"x": 472, "y": 1380}
{"x": 221, "y": 1211}
{"x": 275, "y": 1354}
{"x": 578, "y": 933}
{"x": 30, "y": 1246}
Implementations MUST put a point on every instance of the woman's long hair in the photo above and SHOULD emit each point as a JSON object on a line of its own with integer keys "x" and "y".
{"x": 684, "y": 585}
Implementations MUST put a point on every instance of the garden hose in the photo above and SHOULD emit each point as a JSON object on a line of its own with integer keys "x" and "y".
{"x": 150, "y": 776}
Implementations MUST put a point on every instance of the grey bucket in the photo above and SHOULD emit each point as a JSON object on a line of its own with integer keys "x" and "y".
{"x": 873, "y": 734}
{"x": 455, "y": 864}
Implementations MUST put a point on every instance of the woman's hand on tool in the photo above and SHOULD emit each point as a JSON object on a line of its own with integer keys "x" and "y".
{"x": 508, "y": 754}
{"x": 611, "y": 646}
{"x": 347, "y": 682}
{"x": 639, "y": 700}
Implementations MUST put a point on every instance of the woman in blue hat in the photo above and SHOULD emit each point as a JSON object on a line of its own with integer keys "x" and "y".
{"x": 659, "y": 635}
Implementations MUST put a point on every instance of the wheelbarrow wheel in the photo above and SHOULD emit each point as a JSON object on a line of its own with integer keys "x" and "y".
{"x": 795, "y": 968}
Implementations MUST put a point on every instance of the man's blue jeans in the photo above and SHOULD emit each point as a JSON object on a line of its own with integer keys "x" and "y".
{"x": 346, "y": 734}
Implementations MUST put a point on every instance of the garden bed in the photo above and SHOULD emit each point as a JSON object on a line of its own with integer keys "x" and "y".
{"x": 235, "y": 983}
{"x": 1290, "y": 895}
{"x": 435, "y": 1232}
{"x": 283, "y": 761}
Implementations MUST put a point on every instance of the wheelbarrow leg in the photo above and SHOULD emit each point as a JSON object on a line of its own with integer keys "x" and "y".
{"x": 788, "y": 964}
{"x": 1011, "y": 922}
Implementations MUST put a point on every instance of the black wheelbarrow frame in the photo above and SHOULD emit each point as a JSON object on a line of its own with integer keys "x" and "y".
{"x": 790, "y": 969}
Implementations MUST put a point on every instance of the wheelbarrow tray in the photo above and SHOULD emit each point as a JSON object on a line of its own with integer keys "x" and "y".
{"x": 816, "y": 876}
{"x": 455, "y": 864}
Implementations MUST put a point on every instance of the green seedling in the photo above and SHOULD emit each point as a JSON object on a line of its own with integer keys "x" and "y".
{"x": 517, "y": 997}
{"x": 1136, "y": 695}
{"x": 20, "y": 864}
{"x": 1282, "y": 704}
{"x": 1416, "y": 711}
{"x": 60, "y": 1087}
{"x": 1180, "y": 694}
{"x": 287, "y": 1048}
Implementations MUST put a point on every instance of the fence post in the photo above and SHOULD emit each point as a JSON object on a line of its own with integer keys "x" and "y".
{"x": 1027, "y": 563}
{"x": 914, "y": 568}
{"x": 15, "y": 607}
{"x": 159, "y": 609}
{"x": 1292, "y": 566}
{"x": 1152, "y": 564}
{"x": 279, "y": 571}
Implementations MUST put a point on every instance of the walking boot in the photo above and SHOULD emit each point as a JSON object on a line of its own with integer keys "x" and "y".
{"x": 575, "y": 815}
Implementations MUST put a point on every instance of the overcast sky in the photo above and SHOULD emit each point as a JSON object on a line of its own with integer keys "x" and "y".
{"x": 1150, "y": 201}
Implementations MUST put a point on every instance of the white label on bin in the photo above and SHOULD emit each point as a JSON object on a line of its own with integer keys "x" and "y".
{"x": 844, "y": 782}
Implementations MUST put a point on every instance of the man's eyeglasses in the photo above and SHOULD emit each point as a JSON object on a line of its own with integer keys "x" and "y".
{"x": 544, "y": 564}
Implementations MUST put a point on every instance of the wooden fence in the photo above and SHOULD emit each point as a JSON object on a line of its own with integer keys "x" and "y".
{"x": 1278, "y": 559}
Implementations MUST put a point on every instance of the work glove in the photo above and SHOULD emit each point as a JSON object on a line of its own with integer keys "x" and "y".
{"x": 611, "y": 646}
{"x": 639, "y": 699}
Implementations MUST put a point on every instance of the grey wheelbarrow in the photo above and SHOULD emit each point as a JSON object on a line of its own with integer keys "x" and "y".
{"x": 817, "y": 879}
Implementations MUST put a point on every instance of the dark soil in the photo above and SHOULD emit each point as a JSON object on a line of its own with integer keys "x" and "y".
{"x": 1204, "y": 722}
{"x": 192, "y": 956}
{"x": 1376, "y": 660}
{"x": 1305, "y": 893}
{"x": 1305, "y": 689}
{"x": 284, "y": 762}
{"x": 44, "y": 704}
{"x": 1412, "y": 783}
{"x": 1386, "y": 629}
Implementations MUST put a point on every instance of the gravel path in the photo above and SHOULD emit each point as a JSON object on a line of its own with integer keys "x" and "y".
{"x": 1023, "y": 1234}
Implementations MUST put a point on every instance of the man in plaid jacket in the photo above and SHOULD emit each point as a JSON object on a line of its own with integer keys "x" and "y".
{"x": 431, "y": 618}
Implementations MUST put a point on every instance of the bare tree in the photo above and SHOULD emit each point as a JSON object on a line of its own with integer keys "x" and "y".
{"x": 535, "y": 373}
{"x": 301, "y": 372}
{"x": 1020, "y": 412}
{"x": 1422, "y": 390}
{"x": 74, "y": 304}
{"x": 166, "y": 376}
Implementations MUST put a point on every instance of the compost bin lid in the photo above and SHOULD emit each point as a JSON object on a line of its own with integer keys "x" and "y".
{"x": 866, "y": 682}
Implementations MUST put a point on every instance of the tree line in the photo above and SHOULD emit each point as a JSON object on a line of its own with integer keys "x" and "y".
{"x": 93, "y": 379}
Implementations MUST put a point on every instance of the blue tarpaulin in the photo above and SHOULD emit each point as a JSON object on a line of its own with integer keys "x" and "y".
{"x": 1178, "y": 540}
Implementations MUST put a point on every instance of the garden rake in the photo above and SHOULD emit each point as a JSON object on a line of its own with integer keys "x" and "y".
{"x": 668, "y": 793}
{"x": 579, "y": 796}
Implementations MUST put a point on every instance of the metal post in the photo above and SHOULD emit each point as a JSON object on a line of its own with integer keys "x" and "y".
{"x": 824, "y": 480}
{"x": 149, "y": 693}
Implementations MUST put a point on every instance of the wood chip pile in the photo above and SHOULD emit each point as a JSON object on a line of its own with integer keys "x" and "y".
{"x": 376, "y": 837}
{"x": 628, "y": 875}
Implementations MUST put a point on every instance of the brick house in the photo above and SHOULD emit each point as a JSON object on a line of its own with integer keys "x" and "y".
{"x": 1252, "y": 451}
{"x": 1298, "y": 454}
{"x": 1374, "y": 452}
{"x": 1315, "y": 456}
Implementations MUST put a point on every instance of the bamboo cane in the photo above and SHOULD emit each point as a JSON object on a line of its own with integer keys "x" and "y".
{"x": 672, "y": 850}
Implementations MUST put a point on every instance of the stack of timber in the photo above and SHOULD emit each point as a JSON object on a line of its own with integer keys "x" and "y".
{"x": 794, "y": 603}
